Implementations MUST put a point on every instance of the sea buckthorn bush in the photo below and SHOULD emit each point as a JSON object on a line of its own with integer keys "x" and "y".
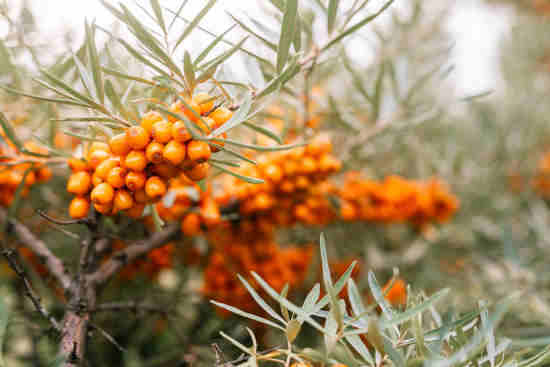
{"x": 163, "y": 187}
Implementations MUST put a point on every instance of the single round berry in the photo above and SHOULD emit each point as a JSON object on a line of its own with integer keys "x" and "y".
{"x": 198, "y": 172}
{"x": 116, "y": 177}
{"x": 79, "y": 183}
{"x": 79, "y": 207}
{"x": 119, "y": 144}
{"x": 123, "y": 200}
{"x": 149, "y": 119}
{"x": 138, "y": 137}
{"x": 135, "y": 160}
{"x": 162, "y": 131}
{"x": 191, "y": 224}
{"x": 103, "y": 194}
{"x": 135, "y": 180}
{"x": 174, "y": 152}
{"x": 180, "y": 132}
{"x": 103, "y": 169}
{"x": 154, "y": 152}
{"x": 205, "y": 102}
{"x": 221, "y": 115}
{"x": 198, "y": 151}
{"x": 155, "y": 187}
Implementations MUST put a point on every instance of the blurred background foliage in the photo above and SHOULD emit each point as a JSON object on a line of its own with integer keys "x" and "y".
{"x": 392, "y": 115}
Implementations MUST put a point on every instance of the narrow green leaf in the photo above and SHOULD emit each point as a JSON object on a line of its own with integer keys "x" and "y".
{"x": 236, "y": 343}
{"x": 267, "y": 308}
{"x": 238, "y": 117}
{"x": 46, "y": 99}
{"x": 297, "y": 41}
{"x": 378, "y": 295}
{"x": 264, "y": 40}
{"x": 395, "y": 355}
{"x": 113, "y": 96}
{"x": 4, "y": 318}
{"x": 233, "y": 153}
{"x": 157, "y": 220}
{"x": 331, "y": 15}
{"x": 284, "y": 310}
{"x": 356, "y": 26}
{"x": 264, "y": 131}
{"x": 94, "y": 62}
{"x": 247, "y": 315}
{"x": 14, "y": 206}
{"x": 213, "y": 64}
{"x": 158, "y": 14}
{"x": 355, "y": 298}
{"x": 338, "y": 286}
{"x": 85, "y": 78}
{"x": 259, "y": 147}
{"x": 248, "y": 179}
{"x": 195, "y": 22}
{"x": 177, "y": 14}
{"x": 129, "y": 77}
{"x": 224, "y": 162}
{"x": 360, "y": 347}
{"x": 188, "y": 70}
{"x": 288, "y": 27}
{"x": 213, "y": 44}
{"x": 290, "y": 71}
{"x": 9, "y": 131}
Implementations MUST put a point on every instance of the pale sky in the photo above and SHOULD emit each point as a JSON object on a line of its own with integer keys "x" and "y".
{"x": 475, "y": 27}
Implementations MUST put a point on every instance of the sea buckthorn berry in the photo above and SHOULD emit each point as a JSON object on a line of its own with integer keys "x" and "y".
{"x": 135, "y": 211}
{"x": 135, "y": 180}
{"x": 205, "y": 102}
{"x": 162, "y": 131}
{"x": 96, "y": 180}
{"x": 79, "y": 207}
{"x": 191, "y": 224}
{"x": 79, "y": 183}
{"x": 138, "y": 137}
{"x": 180, "y": 132}
{"x": 287, "y": 186}
{"x": 119, "y": 144}
{"x": 302, "y": 182}
{"x": 221, "y": 143}
{"x": 155, "y": 187}
{"x": 103, "y": 194}
{"x": 44, "y": 174}
{"x": 179, "y": 108}
{"x": 174, "y": 152}
{"x": 308, "y": 166}
{"x": 30, "y": 179}
{"x": 140, "y": 196}
{"x": 290, "y": 168}
{"x": 116, "y": 177}
{"x": 103, "y": 208}
{"x": 273, "y": 173}
{"x": 198, "y": 172}
{"x": 76, "y": 164}
{"x": 123, "y": 200}
{"x": 221, "y": 115}
{"x": 103, "y": 169}
{"x": 99, "y": 145}
{"x": 97, "y": 156}
{"x": 135, "y": 160}
{"x": 149, "y": 119}
{"x": 210, "y": 213}
{"x": 166, "y": 170}
{"x": 198, "y": 151}
{"x": 263, "y": 201}
{"x": 154, "y": 152}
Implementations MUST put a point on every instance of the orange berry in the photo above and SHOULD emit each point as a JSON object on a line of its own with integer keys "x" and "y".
{"x": 155, "y": 187}
{"x": 205, "y": 102}
{"x": 198, "y": 172}
{"x": 119, "y": 144}
{"x": 180, "y": 132}
{"x": 79, "y": 183}
{"x": 166, "y": 170}
{"x": 135, "y": 211}
{"x": 273, "y": 173}
{"x": 162, "y": 131}
{"x": 198, "y": 151}
{"x": 76, "y": 164}
{"x": 397, "y": 295}
{"x": 149, "y": 119}
{"x": 221, "y": 143}
{"x": 308, "y": 166}
{"x": 103, "y": 194}
{"x": 348, "y": 211}
{"x": 302, "y": 182}
{"x": 135, "y": 180}
{"x": 221, "y": 115}
{"x": 96, "y": 180}
{"x": 95, "y": 157}
{"x": 103, "y": 169}
{"x": 191, "y": 224}
{"x": 263, "y": 201}
{"x": 290, "y": 167}
{"x": 210, "y": 212}
{"x": 287, "y": 186}
{"x": 174, "y": 152}
{"x": 123, "y": 200}
{"x": 136, "y": 160}
{"x": 179, "y": 108}
{"x": 138, "y": 137}
{"x": 154, "y": 152}
{"x": 116, "y": 177}
{"x": 44, "y": 174}
{"x": 79, "y": 207}
{"x": 99, "y": 145}
{"x": 103, "y": 208}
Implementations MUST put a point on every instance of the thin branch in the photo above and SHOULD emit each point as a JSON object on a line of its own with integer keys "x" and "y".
{"x": 51, "y": 262}
{"x": 132, "y": 252}
{"x": 9, "y": 254}
{"x": 59, "y": 221}
{"x": 133, "y": 306}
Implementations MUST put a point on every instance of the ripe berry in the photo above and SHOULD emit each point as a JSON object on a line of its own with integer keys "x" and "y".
{"x": 155, "y": 187}
{"x": 198, "y": 172}
{"x": 103, "y": 194}
{"x": 79, "y": 183}
{"x": 174, "y": 152}
{"x": 116, "y": 177}
{"x": 95, "y": 157}
{"x": 103, "y": 169}
{"x": 191, "y": 224}
{"x": 135, "y": 211}
{"x": 205, "y": 102}
{"x": 179, "y": 108}
{"x": 76, "y": 164}
{"x": 166, "y": 170}
{"x": 141, "y": 197}
{"x": 198, "y": 151}
{"x": 96, "y": 180}
{"x": 44, "y": 174}
{"x": 103, "y": 208}
{"x": 210, "y": 212}
{"x": 123, "y": 200}
{"x": 138, "y": 137}
{"x": 119, "y": 144}
{"x": 135, "y": 180}
{"x": 136, "y": 160}
{"x": 180, "y": 132}
{"x": 221, "y": 115}
{"x": 162, "y": 131}
{"x": 79, "y": 207}
{"x": 149, "y": 119}
{"x": 273, "y": 173}
{"x": 154, "y": 152}
{"x": 98, "y": 145}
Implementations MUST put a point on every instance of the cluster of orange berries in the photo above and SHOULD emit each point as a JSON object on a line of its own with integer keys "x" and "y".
{"x": 12, "y": 173}
{"x": 295, "y": 187}
{"x": 134, "y": 168}
{"x": 238, "y": 252}
{"x": 395, "y": 200}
